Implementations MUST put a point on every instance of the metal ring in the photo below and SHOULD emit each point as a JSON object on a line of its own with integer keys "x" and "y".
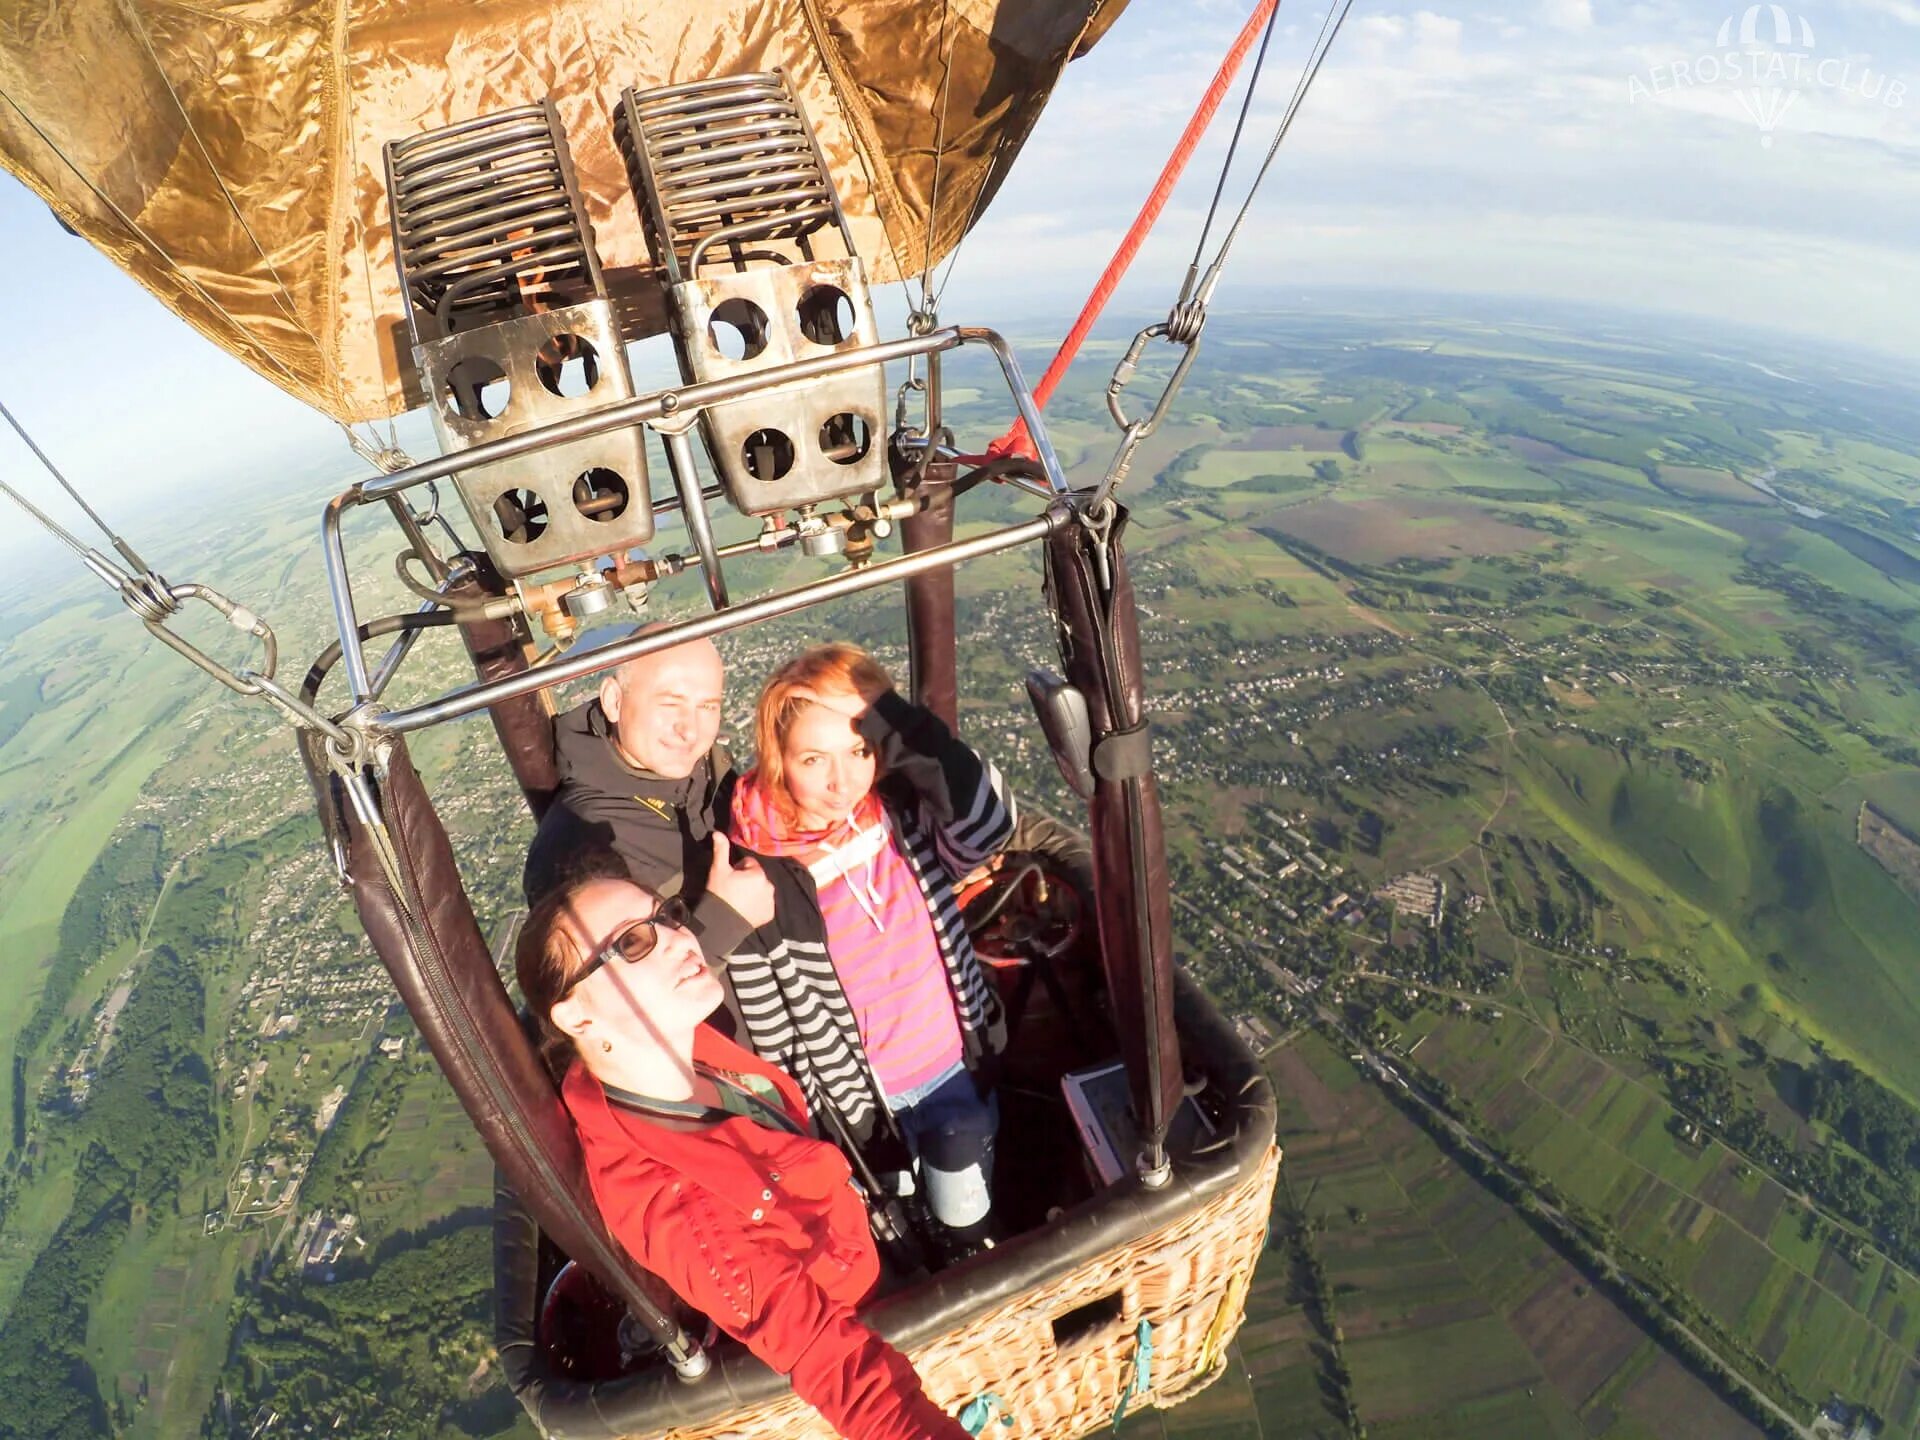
{"x": 346, "y": 747}
{"x": 433, "y": 496}
{"x": 1097, "y": 514}
{"x": 1185, "y": 321}
{"x": 149, "y": 597}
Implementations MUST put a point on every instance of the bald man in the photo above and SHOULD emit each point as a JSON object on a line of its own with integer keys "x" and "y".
{"x": 641, "y": 775}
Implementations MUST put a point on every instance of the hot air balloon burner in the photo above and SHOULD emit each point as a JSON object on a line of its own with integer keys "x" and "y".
{"x": 737, "y": 200}
{"x": 513, "y": 330}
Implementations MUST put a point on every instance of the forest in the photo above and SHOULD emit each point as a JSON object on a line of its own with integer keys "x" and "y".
{"x": 112, "y": 900}
{"x": 148, "y": 1122}
{"x": 397, "y": 1349}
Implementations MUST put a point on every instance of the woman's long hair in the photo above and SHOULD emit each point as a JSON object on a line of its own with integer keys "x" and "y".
{"x": 838, "y": 668}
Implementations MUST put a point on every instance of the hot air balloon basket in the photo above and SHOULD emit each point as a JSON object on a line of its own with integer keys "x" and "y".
{"x": 1057, "y": 1360}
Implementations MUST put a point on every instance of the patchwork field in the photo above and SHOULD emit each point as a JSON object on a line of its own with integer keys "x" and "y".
{"x": 1457, "y": 1319}
{"x": 1735, "y": 1239}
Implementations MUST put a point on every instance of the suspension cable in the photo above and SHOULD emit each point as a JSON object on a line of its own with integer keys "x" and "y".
{"x": 1188, "y": 318}
{"x": 1226, "y": 165}
{"x": 127, "y": 551}
{"x": 987, "y": 181}
{"x": 1184, "y": 322}
{"x": 927, "y": 300}
{"x": 145, "y": 593}
{"x": 157, "y": 602}
{"x": 52, "y": 526}
{"x": 1016, "y": 440}
{"x": 1329, "y": 31}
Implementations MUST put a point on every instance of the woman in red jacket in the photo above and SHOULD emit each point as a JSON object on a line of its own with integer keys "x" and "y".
{"x": 701, "y": 1159}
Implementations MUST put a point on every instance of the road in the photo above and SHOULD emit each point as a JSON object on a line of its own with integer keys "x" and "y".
{"x": 1388, "y": 1075}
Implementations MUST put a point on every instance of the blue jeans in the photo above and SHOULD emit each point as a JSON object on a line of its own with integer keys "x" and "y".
{"x": 950, "y": 1131}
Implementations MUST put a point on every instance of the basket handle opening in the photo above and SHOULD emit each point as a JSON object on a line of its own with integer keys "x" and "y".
{"x": 1083, "y": 1322}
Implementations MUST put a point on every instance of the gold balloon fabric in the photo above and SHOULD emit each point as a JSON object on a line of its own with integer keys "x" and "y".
{"x": 227, "y": 153}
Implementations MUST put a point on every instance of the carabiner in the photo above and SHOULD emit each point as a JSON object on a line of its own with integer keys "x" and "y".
{"x": 238, "y": 616}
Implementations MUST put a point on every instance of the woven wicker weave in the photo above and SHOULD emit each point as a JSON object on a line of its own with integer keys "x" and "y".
{"x": 1188, "y": 1280}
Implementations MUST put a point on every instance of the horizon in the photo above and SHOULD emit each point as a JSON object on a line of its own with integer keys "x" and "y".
{"x": 38, "y": 560}
{"x": 1569, "y": 150}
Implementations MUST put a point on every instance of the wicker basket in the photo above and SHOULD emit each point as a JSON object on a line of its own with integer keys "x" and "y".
{"x": 1061, "y": 1356}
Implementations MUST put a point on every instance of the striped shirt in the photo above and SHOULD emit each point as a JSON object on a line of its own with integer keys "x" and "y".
{"x": 880, "y": 932}
{"x": 953, "y": 815}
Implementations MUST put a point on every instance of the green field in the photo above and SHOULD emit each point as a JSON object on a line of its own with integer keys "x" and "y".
{"x": 1733, "y": 1237}
{"x": 1499, "y": 602}
{"x": 1702, "y": 686}
{"x": 49, "y": 868}
{"x": 1457, "y": 1319}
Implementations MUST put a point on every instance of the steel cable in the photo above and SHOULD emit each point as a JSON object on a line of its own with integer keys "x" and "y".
{"x": 125, "y": 550}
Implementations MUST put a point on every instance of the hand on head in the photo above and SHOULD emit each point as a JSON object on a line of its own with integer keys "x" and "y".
{"x": 851, "y": 704}
{"x": 744, "y": 886}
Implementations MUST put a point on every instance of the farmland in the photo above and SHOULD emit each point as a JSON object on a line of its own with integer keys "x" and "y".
{"x": 1455, "y": 1317}
{"x": 1605, "y": 641}
{"x": 1672, "y": 621}
{"x": 1806, "y": 1296}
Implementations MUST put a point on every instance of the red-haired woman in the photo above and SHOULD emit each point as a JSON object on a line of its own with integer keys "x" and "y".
{"x": 893, "y": 1015}
{"x": 701, "y": 1158}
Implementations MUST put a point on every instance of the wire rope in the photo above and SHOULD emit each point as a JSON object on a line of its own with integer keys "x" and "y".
{"x": 1016, "y": 440}
{"x": 1336, "y": 17}
{"x": 53, "y": 527}
{"x": 1233, "y": 145}
{"x": 927, "y": 299}
{"x": 127, "y": 551}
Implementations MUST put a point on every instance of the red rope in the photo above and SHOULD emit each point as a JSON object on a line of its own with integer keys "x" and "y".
{"x": 1016, "y": 441}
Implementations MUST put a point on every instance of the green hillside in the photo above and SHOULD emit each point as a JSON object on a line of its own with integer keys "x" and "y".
{"x": 1494, "y": 623}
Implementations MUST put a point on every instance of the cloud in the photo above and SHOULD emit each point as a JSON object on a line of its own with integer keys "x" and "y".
{"x": 1905, "y": 11}
{"x": 1569, "y": 14}
{"x": 1377, "y": 35}
{"x": 1755, "y": 276}
{"x": 1437, "y": 32}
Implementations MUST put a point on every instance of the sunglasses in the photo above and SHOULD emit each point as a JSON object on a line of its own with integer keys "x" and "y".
{"x": 635, "y": 941}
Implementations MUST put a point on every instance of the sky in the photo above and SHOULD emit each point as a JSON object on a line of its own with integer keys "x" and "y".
{"x": 1654, "y": 156}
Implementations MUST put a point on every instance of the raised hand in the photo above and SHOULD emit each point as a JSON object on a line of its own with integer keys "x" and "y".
{"x": 745, "y": 887}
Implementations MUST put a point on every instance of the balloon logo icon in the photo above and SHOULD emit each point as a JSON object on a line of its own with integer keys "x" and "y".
{"x": 1767, "y": 46}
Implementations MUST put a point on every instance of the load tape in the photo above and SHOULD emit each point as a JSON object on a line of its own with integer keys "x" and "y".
{"x": 1124, "y": 754}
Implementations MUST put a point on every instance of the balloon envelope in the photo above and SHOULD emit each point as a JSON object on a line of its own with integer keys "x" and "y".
{"x": 227, "y": 155}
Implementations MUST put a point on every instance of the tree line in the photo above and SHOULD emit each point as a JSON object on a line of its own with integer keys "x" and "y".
{"x": 149, "y": 1120}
